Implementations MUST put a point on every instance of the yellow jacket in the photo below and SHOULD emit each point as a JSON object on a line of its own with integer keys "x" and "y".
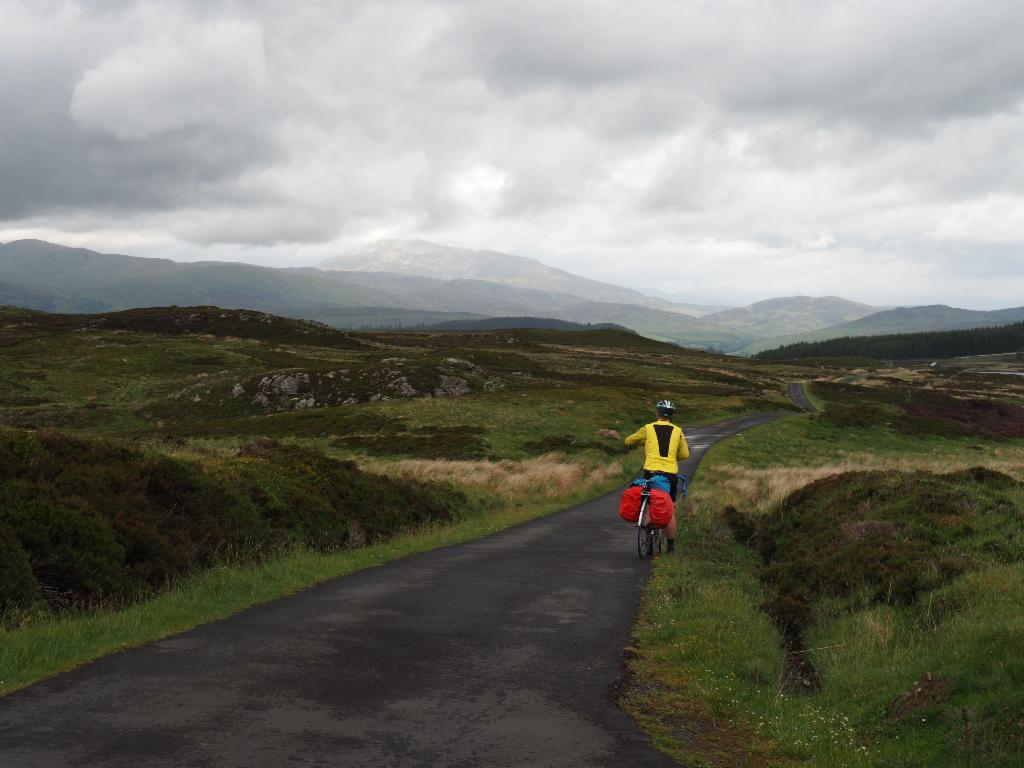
{"x": 665, "y": 443}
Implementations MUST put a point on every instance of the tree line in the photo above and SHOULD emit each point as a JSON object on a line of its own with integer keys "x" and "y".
{"x": 907, "y": 346}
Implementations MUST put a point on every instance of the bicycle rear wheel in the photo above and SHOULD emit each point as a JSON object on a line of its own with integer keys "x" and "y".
{"x": 641, "y": 532}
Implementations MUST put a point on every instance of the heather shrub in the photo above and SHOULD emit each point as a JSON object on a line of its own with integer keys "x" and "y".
{"x": 94, "y": 519}
{"x": 17, "y": 584}
{"x": 880, "y": 537}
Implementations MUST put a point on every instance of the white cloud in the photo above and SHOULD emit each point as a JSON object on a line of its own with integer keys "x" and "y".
{"x": 194, "y": 75}
{"x": 753, "y": 147}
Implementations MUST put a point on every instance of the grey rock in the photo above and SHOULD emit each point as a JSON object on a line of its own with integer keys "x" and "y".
{"x": 402, "y": 387}
{"x": 458, "y": 362}
{"x": 452, "y": 386}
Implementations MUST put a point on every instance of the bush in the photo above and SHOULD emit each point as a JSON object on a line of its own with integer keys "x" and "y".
{"x": 17, "y": 584}
{"x": 881, "y": 536}
{"x": 96, "y": 520}
{"x": 73, "y": 556}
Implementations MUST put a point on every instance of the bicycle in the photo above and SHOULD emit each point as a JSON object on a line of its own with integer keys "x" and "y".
{"x": 648, "y": 537}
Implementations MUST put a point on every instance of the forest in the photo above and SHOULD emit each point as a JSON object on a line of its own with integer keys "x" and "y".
{"x": 909, "y": 346}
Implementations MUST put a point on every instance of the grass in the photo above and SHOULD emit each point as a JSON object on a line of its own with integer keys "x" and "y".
{"x": 713, "y": 674}
{"x": 38, "y": 649}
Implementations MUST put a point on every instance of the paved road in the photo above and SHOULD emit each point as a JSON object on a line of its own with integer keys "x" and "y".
{"x": 798, "y": 395}
{"x": 499, "y": 652}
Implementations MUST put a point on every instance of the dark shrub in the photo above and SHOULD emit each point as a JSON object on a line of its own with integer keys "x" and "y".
{"x": 983, "y": 476}
{"x": 98, "y": 520}
{"x": 742, "y": 527}
{"x": 73, "y": 555}
{"x": 17, "y": 584}
{"x": 886, "y": 536}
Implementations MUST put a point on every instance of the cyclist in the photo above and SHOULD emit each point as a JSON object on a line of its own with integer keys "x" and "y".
{"x": 665, "y": 445}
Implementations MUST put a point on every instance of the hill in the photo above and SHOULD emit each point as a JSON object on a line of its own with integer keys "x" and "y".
{"x": 184, "y": 320}
{"x": 419, "y": 258}
{"x": 51, "y": 277}
{"x": 908, "y": 346}
{"x": 482, "y": 297}
{"x": 509, "y": 323}
{"x": 55, "y": 278}
{"x": 46, "y": 276}
{"x": 937, "y": 317}
{"x": 791, "y": 314}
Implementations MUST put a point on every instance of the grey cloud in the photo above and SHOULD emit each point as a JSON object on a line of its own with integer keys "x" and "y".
{"x": 103, "y": 160}
{"x": 722, "y": 135}
{"x": 877, "y": 61}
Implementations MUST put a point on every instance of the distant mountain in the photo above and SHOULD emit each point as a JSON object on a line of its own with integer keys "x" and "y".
{"x": 420, "y": 258}
{"x": 665, "y": 326}
{"x": 55, "y": 278}
{"x": 511, "y": 323}
{"x": 792, "y": 314}
{"x": 490, "y": 299}
{"x": 482, "y": 297}
{"x": 52, "y": 277}
{"x": 694, "y": 308}
{"x": 19, "y": 296}
{"x": 935, "y": 317}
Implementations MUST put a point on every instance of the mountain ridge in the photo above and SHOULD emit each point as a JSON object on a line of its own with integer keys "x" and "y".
{"x": 421, "y": 258}
{"x": 51, "y": 277}
{"x": 930, "y": 317}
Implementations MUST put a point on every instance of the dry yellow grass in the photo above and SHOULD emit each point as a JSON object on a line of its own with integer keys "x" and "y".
{"x": 547, "y": 476}
{"x": 759, "y": 490}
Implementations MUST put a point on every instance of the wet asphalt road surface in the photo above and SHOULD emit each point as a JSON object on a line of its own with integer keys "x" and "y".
{"x": 798, "y": 395}
{"x": 504, "y": 651}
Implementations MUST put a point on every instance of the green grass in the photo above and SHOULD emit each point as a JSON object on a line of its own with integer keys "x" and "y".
{"x": 813, "y": 397}
{"x": 712, "y": 680}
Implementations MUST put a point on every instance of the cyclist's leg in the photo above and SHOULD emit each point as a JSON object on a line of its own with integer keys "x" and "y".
{"x": 670, "y": 529}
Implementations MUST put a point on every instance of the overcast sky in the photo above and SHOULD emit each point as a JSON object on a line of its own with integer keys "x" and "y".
{"x": 727, "y": 151}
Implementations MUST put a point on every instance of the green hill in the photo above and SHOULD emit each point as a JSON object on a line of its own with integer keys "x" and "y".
{"x": 791, "y": 314}
{"x": 57, "y": 278}
{"x": 214, "y": 321}
{"x": 936, "y": 317}
{"x": 907, "y": 346}
{"x": 508, "y": 323}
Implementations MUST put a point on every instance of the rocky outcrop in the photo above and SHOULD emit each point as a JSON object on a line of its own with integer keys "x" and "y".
{"x": 451, "y": 386}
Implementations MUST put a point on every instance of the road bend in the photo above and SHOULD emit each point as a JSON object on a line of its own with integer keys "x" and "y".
{"x": 798, "y": 394}
{"x": 505, "y": 651}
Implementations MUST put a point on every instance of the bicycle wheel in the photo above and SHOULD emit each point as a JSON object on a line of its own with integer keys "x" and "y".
{"x": 641, "y": 532}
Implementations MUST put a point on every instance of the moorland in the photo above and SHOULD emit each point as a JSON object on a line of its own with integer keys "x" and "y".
{"x": 848, "y": 590}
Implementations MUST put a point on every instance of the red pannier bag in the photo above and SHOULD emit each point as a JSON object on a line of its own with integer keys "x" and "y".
{"x": 629, "y": 506}
{"x": 660, "y": 508}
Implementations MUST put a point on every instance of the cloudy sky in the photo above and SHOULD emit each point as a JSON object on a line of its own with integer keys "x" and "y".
{"x": 727, "y": 150}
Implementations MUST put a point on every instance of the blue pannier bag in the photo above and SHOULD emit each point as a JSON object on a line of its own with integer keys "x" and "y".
{"x": 657, "y": 481}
